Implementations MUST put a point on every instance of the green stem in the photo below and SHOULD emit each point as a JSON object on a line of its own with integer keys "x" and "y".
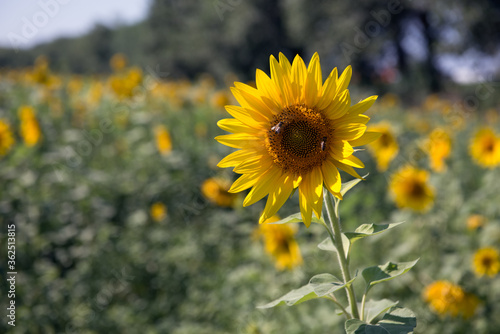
{"x": 363, "y": 301}
{"x": 332, "y": 298}
{"x": 337, "y": 240}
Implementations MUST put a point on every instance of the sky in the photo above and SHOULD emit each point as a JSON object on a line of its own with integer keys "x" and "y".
{"x": 25, "y": 23}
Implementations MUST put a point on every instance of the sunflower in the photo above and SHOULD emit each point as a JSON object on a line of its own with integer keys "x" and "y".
{"x": 280, "y": 243}
{"x": 446, "y": 298}
{"x": 485, "y": 148}
{"x": 386, "y": 147}
{"x": 163, "y": 140}
{"x": 293, "y": 131}
{"x": 486, "y": 262}
{"x": 158, "y": 211}
{"x": 6, "y": 138}
{"x": 30, "y": 128}
{"x": 475, "y": 222}
{"x": 438, "y": 147}
{"x": 410, "y": 189}
{"x": 216, "y": 191}
{"x": 118, "y": 62}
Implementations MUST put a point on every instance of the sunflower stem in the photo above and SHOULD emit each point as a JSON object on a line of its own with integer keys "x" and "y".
{"x": 332, "y": 298}
{"x": 337, "y": 241}
{"x": 363, "y": 302}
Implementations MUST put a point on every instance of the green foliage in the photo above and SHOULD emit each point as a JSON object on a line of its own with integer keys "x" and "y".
{"x": 319, "y": 286}
{"x": 396, "y": 321}
{"x": 385, "y": 272}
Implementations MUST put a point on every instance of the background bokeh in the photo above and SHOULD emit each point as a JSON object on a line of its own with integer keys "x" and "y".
{"x": 111, "y": 146}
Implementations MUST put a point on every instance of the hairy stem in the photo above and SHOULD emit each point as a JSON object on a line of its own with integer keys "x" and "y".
{"x": 334, "y": 219}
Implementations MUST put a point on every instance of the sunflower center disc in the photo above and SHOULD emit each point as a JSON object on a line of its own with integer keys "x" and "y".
{"x": 297, "y": 139}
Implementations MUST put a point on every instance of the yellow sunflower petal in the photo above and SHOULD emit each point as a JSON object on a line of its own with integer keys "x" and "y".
{"x": 313, "y": 83}
{"x": 253, "y": 165}
{"x": 329, "y": 90}
{"x": 331, "y": 177}
{"x": 363, "y": 106}
{"x": 236, "y": 158}
{"x": 246, "y": 117}
{"x": 244, "y": 182}
{"x": 270, "y": 95}
{"x": 281, "y": 81}
{"x": 298, "y": 77}
{"x": 253, "y": 100}
{"x": 353, "y": 162}
{"x": 341, "y": 149}
{"x": 366, "y": 138}
{"x": 346, "y": 168}
{"x": 350, "y": 131}
{"x": 305, "y": 202}
{"x": 234, "y": 125}
{"x": 263, "y": 186}
{"x": 339, "y": 106}
{"x": 277, "y": 197}
{"x": 344, "y": 79}
{"x": 316, "y": 181}
{"x": 238, "y": 140}
{"x": 285, "y": 64}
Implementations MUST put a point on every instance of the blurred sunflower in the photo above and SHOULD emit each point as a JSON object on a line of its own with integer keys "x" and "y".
{"x": 118, "y": 62}
{"x": 163, "y": 140}
{"x": 438, "y": 146}
{"x": 219, "y": 99}
{"x": 216, "y": 191}
{"x": 475, "y": 221}
{"x": 446, "y": 298}
{"x": 485, "y": 148}
{"x": 410, "y": 189}
{"x": 386, "y": 147}
{"x": 280, "y": 243}
{"x": 30, "y": 128}
{"x": 486, "y": 262}
{"x": 125, "y": 84}
{"x": 293, "y": 131}
{"x": 6, "y": 138}
{"x": 158, "y": 211}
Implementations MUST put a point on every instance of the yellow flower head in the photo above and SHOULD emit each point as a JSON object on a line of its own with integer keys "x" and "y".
{"x": 6, "y": 138}
{"x": 386, "y": 147}
{"x": 216, "y": 191}
{"x": 219, "y": 99}
{"x": 124, "y": 84}
{"x": 30, "y": 128}
{"x": 439, "y": 148}
{"x": 294, "y": 131}
{"x": 280, "y": 243}
{"x": 486, "y": 262}
{"x": 158, "y": 211}
{"x": 163, "y": 140}
{"x": 446, "y": 298}
{"x": 475, "y": 221}
{"x": 118, "y": 62}
{"x": 410, "y": 189}
{"x": 485, "y": 148}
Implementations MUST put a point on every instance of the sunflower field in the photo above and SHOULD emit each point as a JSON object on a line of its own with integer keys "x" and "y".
{"x": 122, "y": 221}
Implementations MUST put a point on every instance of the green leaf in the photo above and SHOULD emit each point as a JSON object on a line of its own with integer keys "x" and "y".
{"x": 367, "y": 230}
{"x": 345, "y": 187}
{"x": 385, "y": 272}
{"x": 318, "y": 287}
{"x": 396, "y": 321}
{"x": 399, "y": 320}
{"x": 297, "y": 218}
{"x": 328, "y": 245}
{"x": 374, "y": 308}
